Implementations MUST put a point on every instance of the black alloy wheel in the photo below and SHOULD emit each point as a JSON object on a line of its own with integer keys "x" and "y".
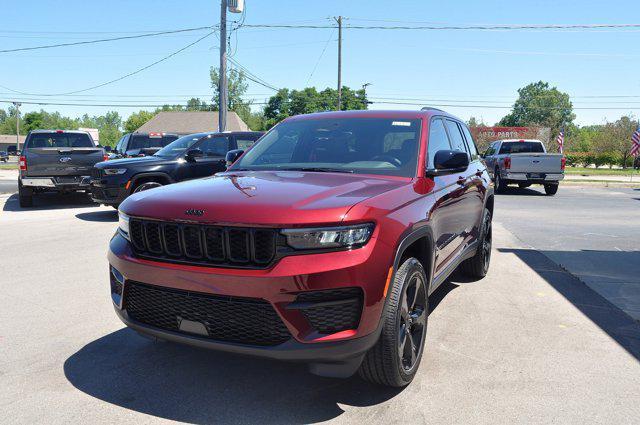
{"x": 146, "y": 186}
{"x": 412, "y": 322}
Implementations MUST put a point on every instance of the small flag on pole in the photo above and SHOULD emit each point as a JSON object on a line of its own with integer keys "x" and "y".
{"x": 560, "y": 141}
{"x": 635, "y": 140}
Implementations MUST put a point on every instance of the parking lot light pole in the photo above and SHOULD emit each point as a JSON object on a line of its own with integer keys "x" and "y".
{"x": 17, "y": 105}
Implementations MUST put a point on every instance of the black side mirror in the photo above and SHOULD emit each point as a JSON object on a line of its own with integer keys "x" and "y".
{"x": 232, "y": 156}
{"x": 447, "y": 162}
{"x": 194, "y": 153}
{"x": 107, "y": 148}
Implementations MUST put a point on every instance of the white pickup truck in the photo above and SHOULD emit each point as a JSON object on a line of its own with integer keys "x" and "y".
{"x": 524, "y": 162}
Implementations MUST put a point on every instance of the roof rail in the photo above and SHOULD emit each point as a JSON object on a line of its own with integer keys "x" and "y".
{"x": 429, "y": 108}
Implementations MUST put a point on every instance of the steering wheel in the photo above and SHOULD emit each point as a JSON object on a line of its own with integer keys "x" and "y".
{"x": 388, "y": 158}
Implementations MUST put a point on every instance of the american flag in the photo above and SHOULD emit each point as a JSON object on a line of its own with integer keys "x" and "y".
{"x": 560, "y": 141}
{"x": 635, "y": 139}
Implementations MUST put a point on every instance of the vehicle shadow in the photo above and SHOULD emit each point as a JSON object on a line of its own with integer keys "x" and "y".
{"x": 523, "y": 191}
{"x": 188, "y": 384}
{"x": 610, "y": 318}
{"x": 99, "y": 216}
{"x": 50, "y": 201}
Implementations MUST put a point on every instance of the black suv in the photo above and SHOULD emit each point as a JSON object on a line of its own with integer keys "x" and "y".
{"x": 141, "y": 144}
{"x": 189, "y": 157}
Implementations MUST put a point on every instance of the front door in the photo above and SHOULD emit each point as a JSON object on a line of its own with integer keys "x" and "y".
{"x": 214, "y": 150}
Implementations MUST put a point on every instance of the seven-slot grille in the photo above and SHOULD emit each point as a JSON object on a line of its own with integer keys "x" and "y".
{"x": 229, "y": 319}
{"x": 210, "y": 245}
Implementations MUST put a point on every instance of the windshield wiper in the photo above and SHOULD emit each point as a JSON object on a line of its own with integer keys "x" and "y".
{"x": 319, "y": 169}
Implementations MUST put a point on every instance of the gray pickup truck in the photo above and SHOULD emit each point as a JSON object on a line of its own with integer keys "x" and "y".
{"x": 524, "y": 162}
{"x": 56, "y": 160}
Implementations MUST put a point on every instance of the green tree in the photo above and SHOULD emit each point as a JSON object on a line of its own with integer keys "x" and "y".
{"x": 237, "y": 89}
{"x": 287, "y": 102}
{"x": 540, "y": 104}
{"x": 137, "y": 119}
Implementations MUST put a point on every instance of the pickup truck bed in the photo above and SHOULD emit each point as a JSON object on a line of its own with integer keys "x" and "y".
{"x": 524, "y": 162}
{"x": 56, "y": 160}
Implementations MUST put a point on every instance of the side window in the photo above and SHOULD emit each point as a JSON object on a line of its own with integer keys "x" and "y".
{"x": 245, "y": 142}
{"x": 473, "y": 150}
{"x": 438, "y": 140}
{"x": 491, "y": 149}
{"x": 215, "y": 146}
{"x": 120, "y": 143}
{"x": 457, "y": 141}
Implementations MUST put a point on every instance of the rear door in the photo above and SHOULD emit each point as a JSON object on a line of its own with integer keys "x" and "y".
{"x": 61, "y": 154}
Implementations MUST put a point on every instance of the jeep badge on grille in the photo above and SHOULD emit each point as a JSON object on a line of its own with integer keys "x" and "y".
{"x": 195, "y": 212}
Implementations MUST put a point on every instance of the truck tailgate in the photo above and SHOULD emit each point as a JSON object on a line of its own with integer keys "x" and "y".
{"x": 62, "y": 161}
{"x": 536, "y": 163}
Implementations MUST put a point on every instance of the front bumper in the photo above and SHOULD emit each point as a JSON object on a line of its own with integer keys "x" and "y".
{"x": 366, "y": 268}
{"x": 57, "y": 182}
{"x": 110, "y": 194}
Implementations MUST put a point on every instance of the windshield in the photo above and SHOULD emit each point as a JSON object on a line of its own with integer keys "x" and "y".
{"x": 60, "y": 140}
{"x": 179, "y": 146}
{"x": 144, "y": 141}
{"x": 521, "y": 147}
{"x": 352, "y": 145}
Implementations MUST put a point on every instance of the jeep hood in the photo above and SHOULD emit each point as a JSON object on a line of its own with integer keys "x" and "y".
{"x": 261, "y": 198}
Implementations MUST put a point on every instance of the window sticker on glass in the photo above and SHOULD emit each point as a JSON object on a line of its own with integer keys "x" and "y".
{"x": 401, "y": 123}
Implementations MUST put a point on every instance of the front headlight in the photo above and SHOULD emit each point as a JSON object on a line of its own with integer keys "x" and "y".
{"x": 329, "y": 237}
{"x": 123, "y": 225}
{"x": 114, "y": 171}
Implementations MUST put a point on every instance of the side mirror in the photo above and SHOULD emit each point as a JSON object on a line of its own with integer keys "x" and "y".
{"x": 192, "y": 154}
{"x": 232, "y": 156}
{"x": 107, "y": 148}
{"x": 447, "y": 162}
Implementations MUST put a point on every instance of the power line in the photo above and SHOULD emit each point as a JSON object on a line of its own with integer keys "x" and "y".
{"x": 251, "y": 76}
{"x": 321, "y": 55}
{"x": 137, "y": 71}
{"x": 497, "y": 106}
{"x": 104, "y": 40}
{"x": 452, "y": 27}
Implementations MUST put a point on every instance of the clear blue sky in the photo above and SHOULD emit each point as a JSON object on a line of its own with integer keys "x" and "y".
{"x": 481, "y": 67}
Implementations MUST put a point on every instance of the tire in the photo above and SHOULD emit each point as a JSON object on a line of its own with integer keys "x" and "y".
{"x": 523, "y": 185}
{"x": 477, "y": 266}
{"x": 25, "y": 196}
{"x": 551, "y": 189}
{"x": 395, "y": 358}
{"x": 501, "y": 185}
{"x": 146, "y": 186}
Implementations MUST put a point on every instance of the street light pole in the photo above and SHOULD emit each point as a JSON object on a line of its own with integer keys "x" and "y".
{"x": 222, "y": 85}
{"x": 17, "y": 105}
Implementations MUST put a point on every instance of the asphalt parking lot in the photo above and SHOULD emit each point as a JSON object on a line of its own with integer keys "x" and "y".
{"x": 530, "y": 343}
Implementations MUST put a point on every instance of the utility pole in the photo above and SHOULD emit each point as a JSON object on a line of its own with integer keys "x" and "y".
{"x": 364, "y": 90}
{"x": 222, "y": 85}
{"x": 17, "y": 105}
{"x": 339, "y": 21}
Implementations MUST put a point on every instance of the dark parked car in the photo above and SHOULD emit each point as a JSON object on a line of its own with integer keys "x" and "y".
{"x": 189, "y": 157}
{"x": 4, "y": 156}
{"x": 56, "y": 160}
{"x": 320, "y": 244}
{"x": 141, "y": 144}
{"x": 12, "y": 150}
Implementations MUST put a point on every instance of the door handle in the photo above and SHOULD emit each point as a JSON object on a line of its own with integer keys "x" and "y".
{"x": 461, "y": 180}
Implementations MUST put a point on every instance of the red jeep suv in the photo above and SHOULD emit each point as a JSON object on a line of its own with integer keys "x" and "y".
{"x": 320, "y": 244}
